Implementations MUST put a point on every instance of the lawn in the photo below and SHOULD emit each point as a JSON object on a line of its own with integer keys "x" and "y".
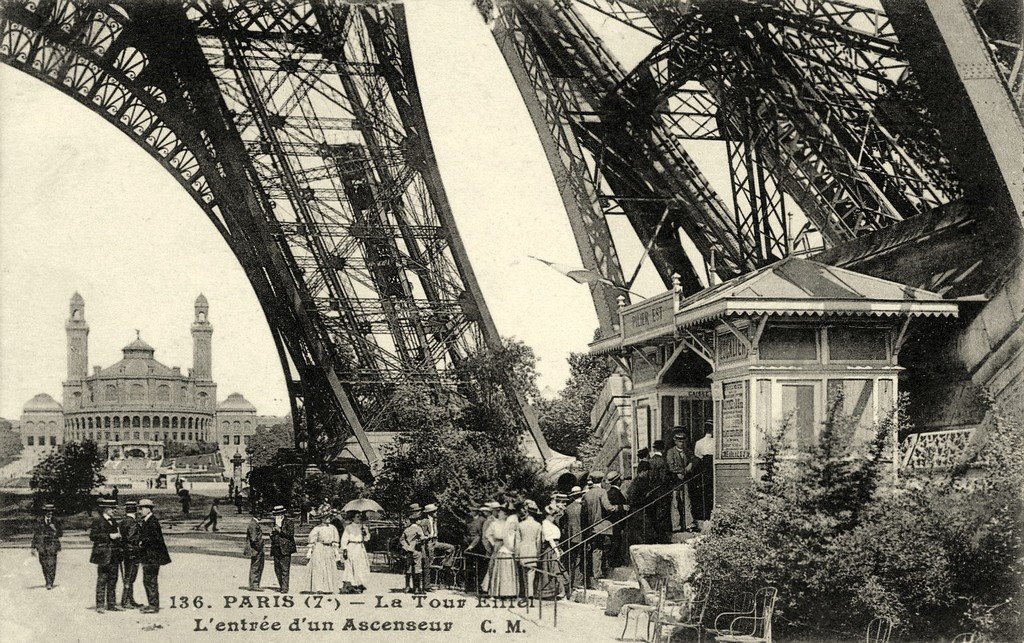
{"x": 17, "y": 517}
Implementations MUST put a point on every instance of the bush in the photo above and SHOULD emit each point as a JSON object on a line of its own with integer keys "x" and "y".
{"x": 67, "y": 477}
{"x": 844, "y": 541}
{"x": 182, "y": 449}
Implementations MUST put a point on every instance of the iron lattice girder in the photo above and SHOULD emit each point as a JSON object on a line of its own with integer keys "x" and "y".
{"x": 825, "y": 65}
{"x": 578, "y": 184}
{"x": 627, "y": 140}
{"x": 166, "y": 76}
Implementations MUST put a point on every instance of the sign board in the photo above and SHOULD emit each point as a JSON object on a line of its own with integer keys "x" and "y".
{"x": 733, "y": 438}
{"x": 648, "y": 319}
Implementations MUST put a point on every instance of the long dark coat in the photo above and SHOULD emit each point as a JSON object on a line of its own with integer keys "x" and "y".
{"x": 154, "y": 549}
{"x": 282, "y": 541}
{"x": 46, "y": 539}
{"x": 105, "y": 550}
{"x": 253, "y": 539}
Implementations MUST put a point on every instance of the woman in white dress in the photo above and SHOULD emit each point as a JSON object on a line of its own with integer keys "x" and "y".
{"x": 502, "y": 580}
{"x": 323, "y": 555}
{"x": 356, "y": 574}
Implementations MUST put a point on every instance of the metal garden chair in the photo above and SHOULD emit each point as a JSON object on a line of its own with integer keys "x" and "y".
{"x": 687, "y": 615}
{"x": 645, "y": 609}
{"x": 756, "y": 627}
{"x": 743, "y": 605}
{"x": 968, "y": 637}
{"x": 879, "y": 631}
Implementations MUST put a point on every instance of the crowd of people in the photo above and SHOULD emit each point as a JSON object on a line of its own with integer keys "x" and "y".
{"x": 515, "y": 548}
{"x": 512, "y": 547}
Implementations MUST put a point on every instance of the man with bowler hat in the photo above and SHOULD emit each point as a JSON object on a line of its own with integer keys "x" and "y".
{"x": 282, "y": 546}
{"x": 254, "y": 550}
{"x": 106, "y": 555}
{"x": 131, "y": 543}
{"x": 152, "y": 554}
{"x": 46, "y": 544}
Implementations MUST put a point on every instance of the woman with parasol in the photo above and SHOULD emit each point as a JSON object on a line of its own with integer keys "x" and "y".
{"x": 356, "y": 534}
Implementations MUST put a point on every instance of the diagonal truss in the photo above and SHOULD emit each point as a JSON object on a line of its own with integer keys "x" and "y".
{"x": 297, "y": 128}
{"x": 813, "y": 99}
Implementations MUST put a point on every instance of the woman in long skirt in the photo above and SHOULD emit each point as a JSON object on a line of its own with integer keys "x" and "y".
{"x": 356, "y": 574}
{"x": 501, "y": 580}
{"x": 323, "y": 555}
{"x": 550, "y": 535}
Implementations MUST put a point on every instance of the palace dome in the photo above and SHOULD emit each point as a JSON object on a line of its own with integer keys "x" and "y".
{"x": 42, "y": 402}
{"x": 236, "y": 402}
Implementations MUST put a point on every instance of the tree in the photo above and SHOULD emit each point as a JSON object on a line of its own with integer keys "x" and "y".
{"x": 460, "y": 452}
{"x": 491, "y": 371}
{"x": 67, "y": 477}
{"x": 266, "y": 441}
{"x": 10, "y": 443}
{"x": 565, "y": 420}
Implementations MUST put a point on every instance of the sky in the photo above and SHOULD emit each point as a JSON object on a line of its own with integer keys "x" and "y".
{"x": 82, "y": 208}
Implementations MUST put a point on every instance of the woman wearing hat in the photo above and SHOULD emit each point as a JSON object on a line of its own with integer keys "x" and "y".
{"x": 550, "y": 535}
{"x": 501, "y": 579}
{"x": 356, "y": 574}
{"x": 323, "y": 555}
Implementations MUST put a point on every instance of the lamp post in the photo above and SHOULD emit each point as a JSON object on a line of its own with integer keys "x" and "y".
{"x": 236, "y": 472}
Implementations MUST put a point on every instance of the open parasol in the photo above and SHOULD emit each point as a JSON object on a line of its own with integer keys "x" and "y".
{"x": 362, "y": 504}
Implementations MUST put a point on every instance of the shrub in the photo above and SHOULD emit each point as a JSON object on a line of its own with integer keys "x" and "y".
{"x": 844, "y": 541}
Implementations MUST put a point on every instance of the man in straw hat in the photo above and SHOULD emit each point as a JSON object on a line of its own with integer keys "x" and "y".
{"x": 428, "y": 523}
{"x": 152, "y": 555}
{"x": 282, "y": 546}
{"x": 131, "y": 543}
{"x": 106, "y": 555}
{"x": 412, "y": 544}
{"x": 46, "y": 544}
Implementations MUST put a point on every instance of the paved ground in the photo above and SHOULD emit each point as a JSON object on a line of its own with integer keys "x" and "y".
{"x": 28, "y": 612}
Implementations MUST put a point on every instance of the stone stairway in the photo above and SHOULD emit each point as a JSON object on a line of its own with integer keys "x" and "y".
{"x": 617, "y": 589}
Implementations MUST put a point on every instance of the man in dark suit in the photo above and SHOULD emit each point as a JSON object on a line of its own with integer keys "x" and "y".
{"x": 106, "y": 555}
{"x": 661, "y": 486}
{"x": 254, "y": 550}
{"x": 615, "y": 509}
{"x": 131, "y": 543}
{"x": 596, "y": 543}
{"x": 153, "y": 554}
{"x": 46, "y": 544}
{"x": 573, "y": 531}
{"x": 282, "y": 546}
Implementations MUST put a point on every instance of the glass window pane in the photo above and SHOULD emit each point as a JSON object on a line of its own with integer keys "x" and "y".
{"x": 789, "y": 343}
{"x": 798, "y": 407}
{"x": 856, "y": 344}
